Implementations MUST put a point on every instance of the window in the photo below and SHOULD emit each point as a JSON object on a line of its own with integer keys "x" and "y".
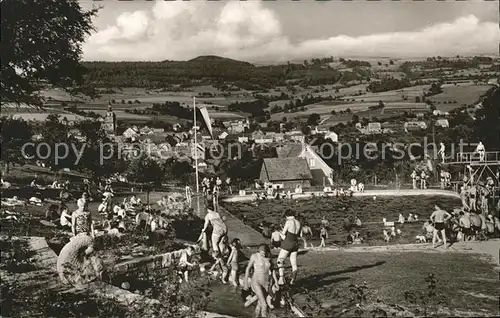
{"x": 312, "y": 163}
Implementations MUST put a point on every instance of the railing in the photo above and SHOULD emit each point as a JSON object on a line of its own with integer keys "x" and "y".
{"x": 467, "y": 157}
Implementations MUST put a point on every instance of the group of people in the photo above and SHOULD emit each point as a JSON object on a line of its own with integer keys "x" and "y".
{"x": 477, "y": 197}
{"x": 267, "y": 276}
{"x": 419, "y": 180}
{"x": 460, "y": 225}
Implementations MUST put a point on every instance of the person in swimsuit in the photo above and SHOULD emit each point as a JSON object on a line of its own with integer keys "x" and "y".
{"x": 306, "y": 234}
{"x": 219, "y": 228}
{"x": 276, "y": 237}
{"x": 323, "y": 234}
{"x": 260, "y": 282}
{"x": 185, "y": 264}
{"x": 233, "y": 261}
{"x": 465, "y": 226}
{"x": 81, "y": 223}
{"x": 472, "y": 198}
{"x": 289, "y": 246}
{"x": 476, "y": 224}
{"x": 439, "y": 217}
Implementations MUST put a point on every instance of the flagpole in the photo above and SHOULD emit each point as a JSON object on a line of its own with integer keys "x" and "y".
{"x": 196, "y": 156}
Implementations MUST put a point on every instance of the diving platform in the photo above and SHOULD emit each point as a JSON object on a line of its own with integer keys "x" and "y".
{"x": 491, "y": 158}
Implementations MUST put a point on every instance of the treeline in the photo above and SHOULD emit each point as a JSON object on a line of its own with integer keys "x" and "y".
{"x": 222, "y": 73}
{"x": 354, "y": 63}
{"x": 388, "y": 84}
{"x": 255, "y": 108}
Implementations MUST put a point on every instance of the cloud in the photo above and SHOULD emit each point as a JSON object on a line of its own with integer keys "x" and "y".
{"x": 182, "y": 30}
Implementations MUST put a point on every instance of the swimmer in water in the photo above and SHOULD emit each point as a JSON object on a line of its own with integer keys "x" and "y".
{"x": 439, "y": 217}
{"x": 263, "y": 270}
{"x": 289, "y": 246}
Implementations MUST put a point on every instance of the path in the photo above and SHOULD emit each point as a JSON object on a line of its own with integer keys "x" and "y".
{"x": 367, "y": 193}
{"x": 236, "y": 228}
{"x": 488, "y": 248}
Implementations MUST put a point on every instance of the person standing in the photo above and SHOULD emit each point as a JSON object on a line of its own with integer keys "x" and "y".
{"x": 323, "y": 234}
{"x": 439, "y": 218}
{"x": 306, "y": 234}
{"x": 219, "y": 228}
{"x": 423, "y": 179}
{"x": 473, "y": 198}
{"x": 441, "y": 151}
{"x": 228, "y": 184}
{"x": 289, "y": 246}
{"x": 263, "y": 271}
{"x": 481, "y": 151}
{"x": 189, "y": 194}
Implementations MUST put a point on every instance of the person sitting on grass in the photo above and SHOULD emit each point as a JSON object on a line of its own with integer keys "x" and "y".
{"x": 142, "y": 220}
{"x": 121, "y": 224}
{"x": 65, "y": 219}
{"x": 186, "y": 264}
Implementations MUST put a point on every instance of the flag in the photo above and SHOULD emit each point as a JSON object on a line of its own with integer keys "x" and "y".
{"x": 206, "y": 120}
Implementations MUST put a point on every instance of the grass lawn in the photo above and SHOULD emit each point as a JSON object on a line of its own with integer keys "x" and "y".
{"x": 337, "y": 209}
{"x": 467, "y": 282}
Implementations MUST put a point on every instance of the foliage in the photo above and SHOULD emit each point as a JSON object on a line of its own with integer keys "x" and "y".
{"x": 41, "y": 42}
{"x": 427, "y": 301}
{"x": 487, "y": 119}
{"x": 144, "y": 169}
{"x": 55, "y": 134}
{"x": 100, "y": 157}
{"x": 388, "y": 84}
{"x": 15, "y": 134}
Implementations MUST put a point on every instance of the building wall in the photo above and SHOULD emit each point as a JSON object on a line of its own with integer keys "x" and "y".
{"x": 315, "y": 162}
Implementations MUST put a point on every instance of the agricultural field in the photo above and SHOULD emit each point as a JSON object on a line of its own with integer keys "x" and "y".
{"x": 358, "y": 108}
{"x": 336, "y": 210}
{"x": 463, "y": 94}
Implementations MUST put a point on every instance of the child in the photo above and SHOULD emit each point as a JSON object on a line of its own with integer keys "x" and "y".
{"x": 232, "y": 261}
{"x": 219, "y": 261}
{"x": 185, "y": 264}
{"x": 323, "y": 235}
{"x": 276, "y": 237}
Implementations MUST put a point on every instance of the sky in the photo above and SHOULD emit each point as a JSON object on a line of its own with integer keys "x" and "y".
{"x": 284, "y": 30}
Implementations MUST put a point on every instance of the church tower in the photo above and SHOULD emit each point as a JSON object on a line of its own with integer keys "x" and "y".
{"x": 110, "y": 121}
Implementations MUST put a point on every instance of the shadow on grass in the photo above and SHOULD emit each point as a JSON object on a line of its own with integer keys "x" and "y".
{"x": 317, "y": 281}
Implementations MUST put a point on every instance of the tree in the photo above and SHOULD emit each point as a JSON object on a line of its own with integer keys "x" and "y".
{"x": 41, "y": 43}
{"x": 313, "y": 119}
{"x": 417, "y": 99}
{"x": 15, "y": 134}
{"x": 381, "y": 104}
{"x": 348, "y": 110}
{"x": 55, "y": 136}
{"x": 100, "y": 156}
{"x": 146, "y": 171}
{"x": 391, "y": 62}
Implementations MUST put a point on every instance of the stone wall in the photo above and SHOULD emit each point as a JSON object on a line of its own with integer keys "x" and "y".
{"x": 150, "y": 263}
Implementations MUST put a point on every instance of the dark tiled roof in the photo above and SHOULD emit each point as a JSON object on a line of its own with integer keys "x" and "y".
{"x": 289, "y": 150}
{"x": 283, "y": 169}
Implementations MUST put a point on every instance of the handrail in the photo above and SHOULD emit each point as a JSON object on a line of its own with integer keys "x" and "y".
{"x": 489, "y": 156}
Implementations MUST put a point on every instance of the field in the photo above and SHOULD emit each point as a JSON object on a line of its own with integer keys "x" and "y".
{"x": 466, "y": 282}
{"x": 336, "y": 210}
{"x": 462, "y": 94}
